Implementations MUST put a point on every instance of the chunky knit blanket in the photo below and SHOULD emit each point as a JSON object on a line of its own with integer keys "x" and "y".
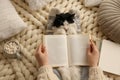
{"x": 27, "y": 67}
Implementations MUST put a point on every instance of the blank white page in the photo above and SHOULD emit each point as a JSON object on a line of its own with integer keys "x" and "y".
{"x": 57, "y": 49}
{"x": 77, "y": 49}
{"x": 110, "y": 57}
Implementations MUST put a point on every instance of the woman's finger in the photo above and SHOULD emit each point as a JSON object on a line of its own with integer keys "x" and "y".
{"x": 40, "y": 49}
{"x": 89, "y": 49}
{"x": 94, "y": 47}
{"x": 93, "y": 44}
{"x": 45, "y": 49}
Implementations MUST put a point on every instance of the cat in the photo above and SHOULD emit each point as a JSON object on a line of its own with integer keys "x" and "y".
{"x": 63, "y": 23}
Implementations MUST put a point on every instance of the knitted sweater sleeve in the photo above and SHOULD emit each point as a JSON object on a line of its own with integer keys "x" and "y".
{"x": 95, "y": 73}
{"x": 46, "y": 73}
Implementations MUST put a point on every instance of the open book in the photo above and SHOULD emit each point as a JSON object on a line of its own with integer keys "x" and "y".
{"x": 110, "y": 57}
{"x": 71, "y": 50}
{"x": 66, "y": 50}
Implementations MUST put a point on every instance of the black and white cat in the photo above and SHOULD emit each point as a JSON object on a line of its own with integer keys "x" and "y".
{"x": 63, "y": 23}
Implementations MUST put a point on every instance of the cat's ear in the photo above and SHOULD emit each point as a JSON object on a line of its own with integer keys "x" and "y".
{"x": 76, "y": 19}
{"x": 74, "y": 12}
{"x": 51, "y": 18}
{"x": 54, "y": 12}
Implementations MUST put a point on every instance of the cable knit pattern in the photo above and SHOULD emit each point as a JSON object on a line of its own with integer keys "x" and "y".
{"x": 65, "y": 73}
{"x": 46, "y": 73}
{"x": 96, "y": 73}
{"x": 27, "y": 68}
{"x": 75, "y": 73}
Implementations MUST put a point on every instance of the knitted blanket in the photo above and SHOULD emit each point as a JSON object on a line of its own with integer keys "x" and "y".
{"x": 27, "y": 67}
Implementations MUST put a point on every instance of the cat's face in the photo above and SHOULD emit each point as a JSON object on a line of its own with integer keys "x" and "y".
{"x": 63, "y": 20}
{"x": 65, "y": 26}
{"x": 64, "y": 23}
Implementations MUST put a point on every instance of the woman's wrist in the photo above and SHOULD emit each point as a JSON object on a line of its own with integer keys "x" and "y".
{"x": 94, "y": 65}
{"x": 44, "y": 64}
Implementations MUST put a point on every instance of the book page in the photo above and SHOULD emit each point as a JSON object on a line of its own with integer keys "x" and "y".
{"x": 57, "y": 49}
{"x": 110, "y": 57}
{"x": 77, "y": 49}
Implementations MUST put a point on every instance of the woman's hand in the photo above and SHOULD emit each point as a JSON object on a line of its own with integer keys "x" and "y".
{"x": 92, "y": 54}
{"x": 42, "y": 55}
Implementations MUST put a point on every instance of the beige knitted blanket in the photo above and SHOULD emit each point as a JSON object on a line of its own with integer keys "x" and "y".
{"x": 26, "y": 68}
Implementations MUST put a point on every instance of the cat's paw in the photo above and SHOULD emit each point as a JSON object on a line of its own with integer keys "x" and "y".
{"x": 59, "y": 31}
{"x": 71, "y": 31}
